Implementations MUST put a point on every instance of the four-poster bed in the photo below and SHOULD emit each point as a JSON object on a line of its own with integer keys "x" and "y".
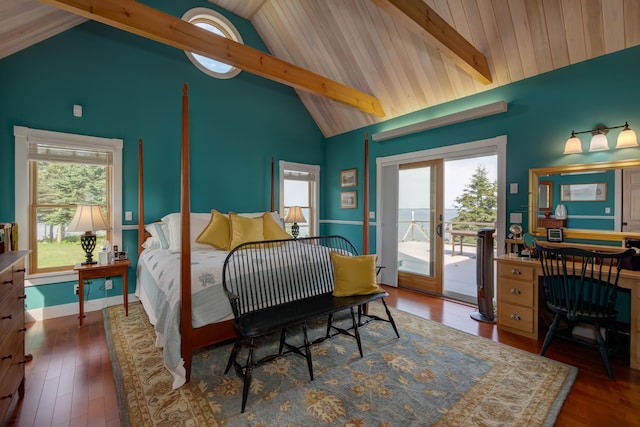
{"x": 193, "y": 337}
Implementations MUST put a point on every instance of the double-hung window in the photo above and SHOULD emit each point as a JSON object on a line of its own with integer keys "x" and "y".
{"x": 299, "y": 186}
{"x": 55, "y": 173}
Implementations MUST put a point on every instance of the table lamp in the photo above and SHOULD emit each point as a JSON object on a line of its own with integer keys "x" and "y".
{"x": 295, "y": 216}
{"x": 88, "y": 218}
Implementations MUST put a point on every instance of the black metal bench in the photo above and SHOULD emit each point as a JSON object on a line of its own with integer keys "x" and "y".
{"x": 277, "y": 284}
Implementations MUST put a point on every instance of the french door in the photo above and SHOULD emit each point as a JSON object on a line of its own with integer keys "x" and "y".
{"x": 419, "y": 224}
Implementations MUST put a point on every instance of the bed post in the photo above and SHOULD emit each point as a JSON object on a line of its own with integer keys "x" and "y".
{"x": 365, "y": 198}
{"x": 140, "y": 199}
{"x": 273, "y": 197}
{"x": 185, "y": 245}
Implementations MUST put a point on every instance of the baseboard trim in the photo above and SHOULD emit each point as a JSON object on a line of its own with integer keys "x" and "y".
{"x": 61, "y": 310}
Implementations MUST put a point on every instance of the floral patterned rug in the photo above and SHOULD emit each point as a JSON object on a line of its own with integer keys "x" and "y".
{"x": 432, "y": 375}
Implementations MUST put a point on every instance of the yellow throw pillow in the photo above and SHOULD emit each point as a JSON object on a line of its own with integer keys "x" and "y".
{"x": 272, "y": 230}
{"x": 245, "y": 229}
{"x": 216, "y": 233}
{"x": 354, "y": 275}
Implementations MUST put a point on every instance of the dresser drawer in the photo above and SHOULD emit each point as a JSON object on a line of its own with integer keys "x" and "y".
{"x": 516, "y": 292}
{"x": 11, "y": 314}
{"x": 8, "y": 285}
{"x": 515, "y": 271}
{"x": 12, "y": 373}
{"x": 516, "y": 317}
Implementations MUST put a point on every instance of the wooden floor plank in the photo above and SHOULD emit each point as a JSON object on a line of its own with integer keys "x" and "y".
{"x": 70, "y": 380}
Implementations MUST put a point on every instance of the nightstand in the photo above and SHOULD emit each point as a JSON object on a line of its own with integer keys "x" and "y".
{"x": 95, "y": 271}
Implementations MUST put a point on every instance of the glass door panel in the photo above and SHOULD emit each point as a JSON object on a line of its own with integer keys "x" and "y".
{"x": 420, "y": 249}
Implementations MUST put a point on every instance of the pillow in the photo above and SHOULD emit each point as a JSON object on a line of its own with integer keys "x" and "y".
{"x": 151, "y": 243}
{"x": 244, "y": 229}
{"x": 273, "y": 230}
{"x": 354, "y": 275}
{"x": 160, "y": 232}
{"x": 216, "y": 233}
{"x": 198, "y": 223}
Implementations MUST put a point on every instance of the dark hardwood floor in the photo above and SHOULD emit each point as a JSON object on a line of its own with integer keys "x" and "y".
{"x": 70, "y": 380}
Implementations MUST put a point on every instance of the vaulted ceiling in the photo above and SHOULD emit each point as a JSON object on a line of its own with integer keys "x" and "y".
{"x": 359, "y": 44}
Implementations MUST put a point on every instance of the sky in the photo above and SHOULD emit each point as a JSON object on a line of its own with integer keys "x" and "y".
{"x": 457, "y": 174}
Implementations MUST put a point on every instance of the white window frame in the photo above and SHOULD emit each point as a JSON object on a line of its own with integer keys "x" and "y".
{"x": 315, "y": 196}
{"x": 24, "y": 135}
{"x": 219, "y": 21}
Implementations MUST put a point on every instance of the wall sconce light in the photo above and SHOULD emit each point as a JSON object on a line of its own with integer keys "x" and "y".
{"x": 626, "y": 138}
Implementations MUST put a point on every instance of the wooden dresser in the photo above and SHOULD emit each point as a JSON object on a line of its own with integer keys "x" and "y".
{"x": 12, "y": 330}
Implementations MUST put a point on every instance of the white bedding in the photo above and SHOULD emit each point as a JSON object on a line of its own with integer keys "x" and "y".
{"x": 159, "y": 291}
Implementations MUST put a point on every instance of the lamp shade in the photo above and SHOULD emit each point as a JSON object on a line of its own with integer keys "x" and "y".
{"x": 573, "y": 145}
{"x": 88, "y": 218}
{"x": 295, "y": 215}
{"x": 599, "y": 142}
{"x": 627, "y": 138}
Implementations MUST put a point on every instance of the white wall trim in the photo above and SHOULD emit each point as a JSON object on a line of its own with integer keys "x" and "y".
{"x": 73, "y": 309}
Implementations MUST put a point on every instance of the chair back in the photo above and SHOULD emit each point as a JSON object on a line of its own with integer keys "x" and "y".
{"x": 579, "y": 283}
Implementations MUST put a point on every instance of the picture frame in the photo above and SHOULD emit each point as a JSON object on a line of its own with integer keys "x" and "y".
{"x": 588, "y": 192}
{"x": 554, "y": 235}
{"x": 349, "y": 177}
{"x": 348, "y": 200}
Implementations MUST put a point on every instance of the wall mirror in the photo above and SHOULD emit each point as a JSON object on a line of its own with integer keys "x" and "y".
{"x": 545, "y": 195}
{"x": 609, "y": 216}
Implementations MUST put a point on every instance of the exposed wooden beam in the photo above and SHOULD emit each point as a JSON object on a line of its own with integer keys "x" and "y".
{"x": 418, "y": 17}
{"x": 153, "y": 24}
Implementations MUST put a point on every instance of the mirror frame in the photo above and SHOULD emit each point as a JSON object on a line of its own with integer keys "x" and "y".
{"x": 573, "y": 233}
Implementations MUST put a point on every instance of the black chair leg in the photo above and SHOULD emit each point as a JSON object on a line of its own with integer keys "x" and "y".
{"x": 355, "y": 331}
{"x": 390, "y": 317}
{"x": 234, "y": 353}
{"x": 550, "y": 333}
{"x": 283, "y": 334}
{"x": 307, "y": 348}
{"x": 604, "y": 352}
{"x": 247, "y": 375}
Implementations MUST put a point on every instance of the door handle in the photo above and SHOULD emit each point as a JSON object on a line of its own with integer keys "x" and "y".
{"x": 439, "y": 230}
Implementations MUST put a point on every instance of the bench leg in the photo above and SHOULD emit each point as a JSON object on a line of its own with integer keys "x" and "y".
{"x": 283, "y": 334}
{"x": 393, "y": 323}
{"x": 355, "y": 331}
{"x": 307, "y": 348}
{"x": 247, "y": 375}
{"x": 234, "y": 353}
{"x": 329, "y": 323}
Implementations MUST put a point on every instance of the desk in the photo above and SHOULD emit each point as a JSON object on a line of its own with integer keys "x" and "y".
{"x": 95, "y": 271}
{"x": 519, "y": 298}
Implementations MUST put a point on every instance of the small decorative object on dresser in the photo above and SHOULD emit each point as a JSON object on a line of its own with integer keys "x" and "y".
{"x": 12, "y": 330}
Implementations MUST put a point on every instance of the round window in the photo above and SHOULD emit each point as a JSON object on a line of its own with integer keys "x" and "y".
{"x": 216, "y": 23}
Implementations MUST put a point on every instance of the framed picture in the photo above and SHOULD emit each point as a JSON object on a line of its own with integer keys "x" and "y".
{"x": 348, "y": 200}
{"x": 554, "y": 235}
{"x": 348, "y": 178}
{"x": 591, "y": 192}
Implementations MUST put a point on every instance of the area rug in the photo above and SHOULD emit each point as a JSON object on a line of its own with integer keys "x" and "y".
{"x": 432, "y": 375}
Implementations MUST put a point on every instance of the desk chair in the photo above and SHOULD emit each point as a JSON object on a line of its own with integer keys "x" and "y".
{"x": 581, "y": 286}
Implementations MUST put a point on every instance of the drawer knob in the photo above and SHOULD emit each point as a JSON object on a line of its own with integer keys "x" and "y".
{"x": 515, "y": 316}
{"x": 21, "y": 270}
{"x": 22, "y": 330}
{"x": 516, "y": 271}
{"x": 7, "y": 282}
{"x": 23, "y": 296}
{"x": 22, "y": 362}
{"x": 7, "y": 356}
{"x": 8, "y": 316}
{"x": 6, "y": 396}
{"x": 516, "y": 291}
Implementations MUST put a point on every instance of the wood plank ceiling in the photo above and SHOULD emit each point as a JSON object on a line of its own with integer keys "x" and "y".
{"x": 356, "y": 43}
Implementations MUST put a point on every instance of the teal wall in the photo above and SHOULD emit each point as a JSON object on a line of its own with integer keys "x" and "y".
{"x": 131, "y": 88}
{"x": 542, "y": 111}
